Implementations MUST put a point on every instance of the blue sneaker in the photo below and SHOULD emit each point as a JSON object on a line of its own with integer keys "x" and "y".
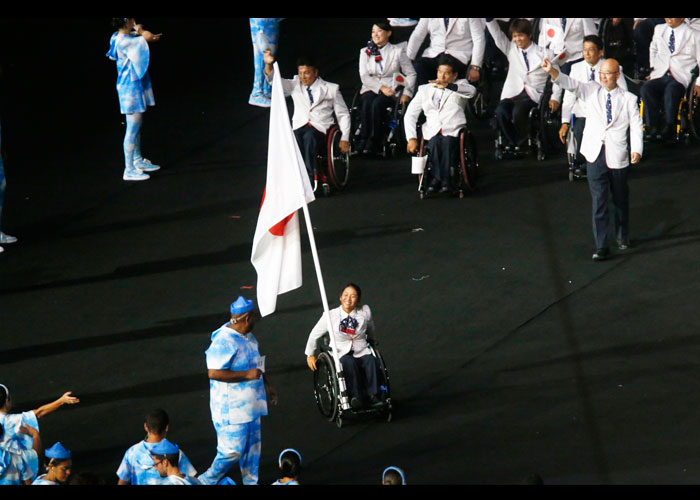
{"x": 145, "y": 165}
{"x": 135, "y": 175}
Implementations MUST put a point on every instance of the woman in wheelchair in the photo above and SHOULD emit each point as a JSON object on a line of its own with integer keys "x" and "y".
{"x": 383, "y": 67}
{"x": 353, "y": 330}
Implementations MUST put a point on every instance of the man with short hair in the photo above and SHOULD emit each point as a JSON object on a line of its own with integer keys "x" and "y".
{"x": 442, "y": 101}
{"x": 165, "y": 457}
{"x": 137, "y": 466}
{"x": 611, "y": 113}
{"x": 315, "y": 103}
{"x": 238, "y": 389}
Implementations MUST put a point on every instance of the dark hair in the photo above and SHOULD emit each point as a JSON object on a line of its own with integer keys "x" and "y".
{"x": 4, "y": 395}
{"x": 594, "y": 39}
{"x": 174, "y": 458}
{"x": 357, "y": 289}
{"x": 307, "y": 61}
{"x": 120, "y": 22}
{"x": 2, "y": 431}
{"x": 521, "y": 26}
{"x": 157, "y": 421}
{"x": 289, "y": 464}
{"x": 447, "y": 60}
{"x": 392, "y": 477}
{"x": 382, "y": 24}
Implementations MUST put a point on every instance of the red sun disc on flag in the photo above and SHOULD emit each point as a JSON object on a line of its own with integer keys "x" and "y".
{"x": 550, "y": 33}
{"x": 278, "y": 229}
{"x": 399, "y": 79}
{"x": 563, "y": 55}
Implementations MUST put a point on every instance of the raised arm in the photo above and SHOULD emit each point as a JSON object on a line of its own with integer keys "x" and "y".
{"x": 500, "y": 39}
{"x": 417, "y": 37}
{"x": 66, "y": 399}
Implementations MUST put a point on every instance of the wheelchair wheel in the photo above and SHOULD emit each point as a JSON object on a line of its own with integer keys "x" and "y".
{"x": 476, "y": 106}
{"x": 549, "y": 123}
{"x": 423, "y": 179}
{"x": 326, "y": 387}
{"x": 694, "y": 112}
{"x": 396, "y": 139}
{"x": 468, "y": 159}
{"x": 338, "y": 162}
{"x": 355, "y": 122}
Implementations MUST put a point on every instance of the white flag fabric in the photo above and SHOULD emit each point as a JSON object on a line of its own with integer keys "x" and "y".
{"x": 276, "y": 253}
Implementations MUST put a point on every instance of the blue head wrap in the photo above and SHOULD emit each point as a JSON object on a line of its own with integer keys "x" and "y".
{"x": 164, "y": 447}
{"x": 242, "y": 306}
{"x": 58, "y": 452}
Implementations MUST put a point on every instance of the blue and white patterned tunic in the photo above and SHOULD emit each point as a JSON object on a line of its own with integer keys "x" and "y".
{"x": 40, "y": 481}
{"x": 137, "y": 466}
{"x": 17, "y": 443}
{"x": 238, "y": 402}
{"x": 16, "y": 466}
{"x": 132, "y": 55}
{"x": 180, "y": 481}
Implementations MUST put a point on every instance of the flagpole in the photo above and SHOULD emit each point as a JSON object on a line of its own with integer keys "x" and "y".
{"x": 326, "y": 312}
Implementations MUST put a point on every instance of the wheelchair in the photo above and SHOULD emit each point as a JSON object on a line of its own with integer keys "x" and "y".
{"x": 394, "y": 137}
{"x": 617, "y": 41}
{"x": 687, "y": 126}
{"x": 333, "y": 404}
{"x": 333, "y": 167}
{"x": 463, "y": 176}
{"x": 542, "y": 130}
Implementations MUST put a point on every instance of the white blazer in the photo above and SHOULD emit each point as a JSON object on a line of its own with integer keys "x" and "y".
{"x": 448, "y": 116}
{"x": 345, "y": 342}
{"x": 580, "y": 71}
{"x": 394, "y": 60}
{"x": 684, "y": 58}
{"x": 519, "y": 78}
{"x": 464, "y": 39}
{"x": 576, "y": 29}
{"x": 597, "y": 133}
{"x": 319, "y": 114}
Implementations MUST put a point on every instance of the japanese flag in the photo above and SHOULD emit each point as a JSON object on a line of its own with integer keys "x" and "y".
{"x": 276, "y": 253}
{"x": 399, "y": 80}
{"x": 555, "y": 40}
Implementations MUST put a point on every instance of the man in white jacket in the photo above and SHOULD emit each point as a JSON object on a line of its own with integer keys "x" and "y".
{"x": 442, "y": 101}
{"x": 610, "y": 113}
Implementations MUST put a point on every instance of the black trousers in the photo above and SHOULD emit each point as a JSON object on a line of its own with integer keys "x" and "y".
{"x": 310, "y": 143}
{"x": 511, "y": 117}
{"x": 373, "y": 113}
{"x": 662, "y": 93}
{"x": 643, "y": 34}
{"x": 603, "y": 181}
{"x": 360, "y": 375}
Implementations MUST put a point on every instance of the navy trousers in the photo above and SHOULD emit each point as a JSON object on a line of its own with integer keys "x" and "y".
{"x": 372, "y": 113}
{"x": 360, "y": 375}
{"x": 443, "y": 150}
{"x": 310, "y": 143}
{"x": 602, "y": 182}
{"x": 511, "y": 117}
{"x": 661, "y": 93}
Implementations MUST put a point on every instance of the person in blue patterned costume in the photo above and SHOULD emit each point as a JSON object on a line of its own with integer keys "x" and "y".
{"x": 21, "y": 430}
{"x": 128, "y": 46}
{"x": 238, "y": 388}
{"x": 58, "y": 467}
{"x": 137, "y": 466}
{"x": 17, "y": 465}
{"x": 264, "y": 32}
{"x": 290, "y": 468}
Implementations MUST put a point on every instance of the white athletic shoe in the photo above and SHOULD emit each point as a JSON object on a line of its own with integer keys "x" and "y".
{"x": 2, "y": 249}
{"x": 135, "y": 175}
{"x": 146, "y": 165}
{"x": 7, "y": 239}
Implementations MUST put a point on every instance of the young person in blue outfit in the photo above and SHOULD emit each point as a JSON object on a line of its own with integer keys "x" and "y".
{"x": 290, "y": 467}
{"x": 128, "y": 46}
{"x": 137, "y": 466}
{"x": 264, "y": 33}
{"x": 16, "y": 463}
{"x": 166, "y": 456}
{"x": 238, "y": 389}
{"x": 58, "y": 467}
{"x": 21, "y": 430}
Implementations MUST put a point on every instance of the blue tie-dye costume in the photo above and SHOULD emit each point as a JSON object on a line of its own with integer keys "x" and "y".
{"x": 236, "y": 407}
{"x": 264, "y": 32}
{"x": 137, "y": 467}
{"x": 132, "y": 55}
{"x": 16, "y": 448}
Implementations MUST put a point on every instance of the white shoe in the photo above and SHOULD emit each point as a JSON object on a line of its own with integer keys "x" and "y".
{"x": 135, "y": 175}
{"x": 6, "y": 238}
{"x": 2, "y": 249}
{"x": 146, "y": 165}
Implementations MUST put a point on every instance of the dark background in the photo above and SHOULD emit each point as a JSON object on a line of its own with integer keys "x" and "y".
{"x": 510, "y": 351}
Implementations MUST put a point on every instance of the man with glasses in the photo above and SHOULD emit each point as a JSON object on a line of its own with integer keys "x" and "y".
{"x": 166, "y": 456}
{"x": 610, "y": 113}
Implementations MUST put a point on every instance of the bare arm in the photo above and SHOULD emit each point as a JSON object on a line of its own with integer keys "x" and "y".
{"x": 234, "y": 376}
{"x": 66, "y": 399}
